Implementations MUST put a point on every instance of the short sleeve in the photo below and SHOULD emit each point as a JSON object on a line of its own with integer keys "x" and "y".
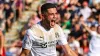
{"x": 62, "y": 38}
{"x": 27, "y": 41}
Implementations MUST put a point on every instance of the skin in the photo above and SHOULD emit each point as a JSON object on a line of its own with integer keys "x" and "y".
{"x": 1, "y": 41}
{"x": 49, "y": 22}
{"x": 50, "y": 18}
{"x": 89, "y": 30}
{"x": 10, "y": 17}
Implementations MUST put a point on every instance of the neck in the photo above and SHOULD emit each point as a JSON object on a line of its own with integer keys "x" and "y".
{"x": 45, "y": 24}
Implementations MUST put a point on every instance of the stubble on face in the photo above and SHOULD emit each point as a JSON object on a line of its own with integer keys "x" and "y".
{"x": 52, "y": 16}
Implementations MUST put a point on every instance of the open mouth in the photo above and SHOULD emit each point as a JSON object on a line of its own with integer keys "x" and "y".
{"x": 52, "y": 23}
{"x": 53, "y": 20}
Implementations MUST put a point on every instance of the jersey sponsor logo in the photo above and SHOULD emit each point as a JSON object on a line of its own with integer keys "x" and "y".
{"x": 44, "y": 44}
{"x": 41, "y": 37}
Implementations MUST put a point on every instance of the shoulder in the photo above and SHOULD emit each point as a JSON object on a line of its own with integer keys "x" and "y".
{"x": 57, "y": 26}
{"x": 35, "y": 27}
{"x": 93, "y": 33}
{"x": 36, "y": 30}
{"x": 28, "y": 31}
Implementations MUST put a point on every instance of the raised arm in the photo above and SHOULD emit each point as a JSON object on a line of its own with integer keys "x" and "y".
{"x": 86, "y": 27}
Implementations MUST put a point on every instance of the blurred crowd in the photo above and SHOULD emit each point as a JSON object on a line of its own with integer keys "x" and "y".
{"x": 16, "y": 16}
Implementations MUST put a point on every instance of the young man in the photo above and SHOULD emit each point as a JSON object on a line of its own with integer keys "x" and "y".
{"x": 41, "y": 39}
{"x": 94, "y": 46}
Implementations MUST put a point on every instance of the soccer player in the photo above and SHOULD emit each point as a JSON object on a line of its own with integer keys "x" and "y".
{"x": 94, "y": 46}
{"x": 41, "y": 39}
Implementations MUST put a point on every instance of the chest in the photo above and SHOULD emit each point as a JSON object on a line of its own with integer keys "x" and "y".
{"x": 46, "y": 38}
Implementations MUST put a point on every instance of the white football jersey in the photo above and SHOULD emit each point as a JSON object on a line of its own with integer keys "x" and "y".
{"x": 41, "y": 42}
{"x": 94, "y": 46}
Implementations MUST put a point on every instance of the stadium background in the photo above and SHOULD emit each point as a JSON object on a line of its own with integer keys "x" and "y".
{"x": 16, "y": 16}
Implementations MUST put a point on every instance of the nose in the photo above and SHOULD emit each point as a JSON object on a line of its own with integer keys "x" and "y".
{"x": 55, "y": 15}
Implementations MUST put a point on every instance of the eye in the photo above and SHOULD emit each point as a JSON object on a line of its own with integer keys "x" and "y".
{"x": 53, "y": 13}
{"x": 50, "y": 13}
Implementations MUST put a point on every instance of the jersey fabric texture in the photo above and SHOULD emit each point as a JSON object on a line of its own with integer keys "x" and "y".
{"x": 41, "y": 42}
{"x": 94, "y": 47}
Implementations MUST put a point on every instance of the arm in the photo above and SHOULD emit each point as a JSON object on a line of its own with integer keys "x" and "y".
{"x": 63, "y": 27}
{"x": 1, "y": 42}
{"x": 58, "y": 47}
{"x": 27, "y": 44}
{"x": 1, "y": 39}
{"x": 9, "y": 19}
{"x": 24, "y": 52}
{"x": 68, "y": 50}
{"x": 86, "y": 27}
{"x": 64, "y": 44}
{"x": 11, "y": 16}
{"x": 79, "y": 38}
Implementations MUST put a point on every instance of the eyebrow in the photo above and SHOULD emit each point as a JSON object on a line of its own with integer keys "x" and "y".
{"x": 54, "y": 13}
